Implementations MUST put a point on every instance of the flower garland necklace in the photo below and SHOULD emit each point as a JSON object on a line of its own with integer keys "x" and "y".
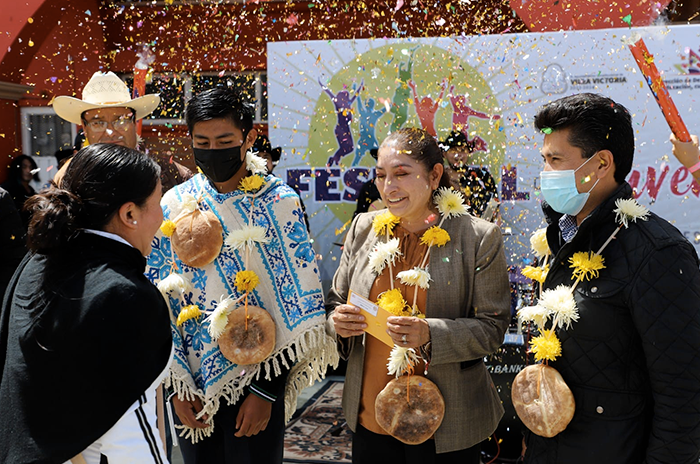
{"x": 449, "y": 203}
{"x": 242, "y": 240}
{"x": 558, "y": 304}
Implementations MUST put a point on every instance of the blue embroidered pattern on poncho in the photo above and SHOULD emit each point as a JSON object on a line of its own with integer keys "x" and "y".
{"x": 289, "y": 290}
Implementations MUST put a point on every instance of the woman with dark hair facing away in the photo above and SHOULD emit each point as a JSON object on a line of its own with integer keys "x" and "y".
{"x": 22, "y": 170}
{"x": 453, "y": 309}
{"x": 84, "y": 336}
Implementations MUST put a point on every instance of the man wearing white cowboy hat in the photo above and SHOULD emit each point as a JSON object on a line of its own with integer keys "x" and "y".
{"x": 108, "y": 114}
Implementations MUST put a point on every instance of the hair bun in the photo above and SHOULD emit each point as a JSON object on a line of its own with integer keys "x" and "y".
{"x": 54, "y": 217}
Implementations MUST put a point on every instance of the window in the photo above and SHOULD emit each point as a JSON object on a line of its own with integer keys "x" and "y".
{"x": 176, "y": 89}
{"x": 43, "y": 134}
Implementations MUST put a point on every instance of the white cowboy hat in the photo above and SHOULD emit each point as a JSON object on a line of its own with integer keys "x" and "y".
{"x": 104, "y": 90}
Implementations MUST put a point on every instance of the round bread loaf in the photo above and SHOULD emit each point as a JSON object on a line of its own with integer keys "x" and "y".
{"x": 198, "y": 238}
{"x": 252, "y": 345}
{"x": 542, "y": 400}
{"x": 413, "y": 421}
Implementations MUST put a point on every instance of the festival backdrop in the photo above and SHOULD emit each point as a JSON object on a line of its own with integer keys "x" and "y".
{"x": 332, "y": 101}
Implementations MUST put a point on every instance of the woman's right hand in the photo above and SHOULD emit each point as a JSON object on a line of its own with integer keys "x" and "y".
{"x": 187, "y": 412}
{"x": 348, "y": 321}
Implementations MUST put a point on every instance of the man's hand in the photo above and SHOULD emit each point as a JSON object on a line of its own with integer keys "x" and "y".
{"x": 187, "y": 413}
{"x": 253, "y": 416}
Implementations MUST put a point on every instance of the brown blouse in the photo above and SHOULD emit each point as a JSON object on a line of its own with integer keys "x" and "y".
{"x": 375, "y": 377}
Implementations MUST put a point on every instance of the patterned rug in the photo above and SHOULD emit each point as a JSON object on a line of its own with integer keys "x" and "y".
{"x": 318, "y": 433}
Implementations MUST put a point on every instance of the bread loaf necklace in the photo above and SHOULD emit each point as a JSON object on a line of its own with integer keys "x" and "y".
{"x": 558, "y": 306}
{"x": 236, "y": 331}
{"x": 388, "y": 411}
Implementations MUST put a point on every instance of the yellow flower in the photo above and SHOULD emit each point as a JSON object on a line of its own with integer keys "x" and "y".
{"x": 252, "y": 183}
{"x": 384, "y": 223}
{"x": 187, "y": 313}
{"x": 546, "y": 346}
{"x": 537, "y": 274}
{"x": 168, "y": 228}
{"x": 586, "y": 265}
{"x": 538, "y": 243}
{"x": 393, "y": 302}
{"x": 246, "y": 281}
{"x": 435, "y": 236}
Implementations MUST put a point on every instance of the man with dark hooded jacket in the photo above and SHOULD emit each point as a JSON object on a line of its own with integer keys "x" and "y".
{"x": 632, "y": 360}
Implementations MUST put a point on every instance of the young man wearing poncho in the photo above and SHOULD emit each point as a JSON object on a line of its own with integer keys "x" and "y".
{"x": 243, "y": 235}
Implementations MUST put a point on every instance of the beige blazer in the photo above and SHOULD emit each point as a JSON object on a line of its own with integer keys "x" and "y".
{"x": 468, "y": 310}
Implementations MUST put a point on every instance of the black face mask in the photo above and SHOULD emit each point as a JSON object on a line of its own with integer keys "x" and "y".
{"x": 219, "y": 165}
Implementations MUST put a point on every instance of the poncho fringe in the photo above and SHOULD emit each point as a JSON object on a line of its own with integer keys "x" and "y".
{"x": 319, "y": 352}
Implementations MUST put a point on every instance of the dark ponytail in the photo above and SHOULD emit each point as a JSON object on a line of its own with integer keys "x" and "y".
{"x": 99, "y": 180}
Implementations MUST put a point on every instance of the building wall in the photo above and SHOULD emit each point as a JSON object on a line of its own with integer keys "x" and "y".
{"x": 72, "y": 39}
{"x": 56, "y": 53}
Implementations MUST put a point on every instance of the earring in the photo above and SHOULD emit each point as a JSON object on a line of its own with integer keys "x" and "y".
{"x": 134, "y": 222}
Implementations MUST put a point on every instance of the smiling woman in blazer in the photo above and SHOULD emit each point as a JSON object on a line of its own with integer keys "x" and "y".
{"x": 466, "y": 310}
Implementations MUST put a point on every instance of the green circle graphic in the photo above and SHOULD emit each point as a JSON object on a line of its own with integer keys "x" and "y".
{"x": 384, "y": 73}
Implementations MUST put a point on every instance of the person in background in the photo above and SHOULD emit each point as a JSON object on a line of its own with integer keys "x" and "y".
{"x": 475, "y": 181}
{"x": 108, "y": 114}
{"x": 368, "y": 197}
{"x": 23, "y": 169}
{"x": 263, "y": 149}
{"x": 62, "y": 156}
{"x": 466, "y": 309}
{"x": 688, "y": 154}
{"x": 12, "y": 239}
{"x": 84, "y": 336}
{"x": 632, "y": 358}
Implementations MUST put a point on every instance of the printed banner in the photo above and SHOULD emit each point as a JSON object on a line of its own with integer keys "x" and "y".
{"x": 331, "y": 102}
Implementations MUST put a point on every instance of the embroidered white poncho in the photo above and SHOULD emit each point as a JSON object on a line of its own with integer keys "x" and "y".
{"x": 289, "y": 289}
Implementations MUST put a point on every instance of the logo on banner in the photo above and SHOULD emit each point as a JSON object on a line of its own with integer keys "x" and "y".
{"x": 554, "y": 80}
{"x": 594, "y": 81}
{"x": 691, "y": 62}
{"x": 381, "y": 91}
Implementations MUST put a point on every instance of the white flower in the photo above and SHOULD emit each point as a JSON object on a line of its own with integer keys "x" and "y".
{"x": 246, "y": 236}
{"x": 174, "y": 283}
{"x": 538, "y": 243}
{"x": 537, "y": 314}
{"x": 400, "y": 359}
{"x": 219, "y": 318}
{"x": 189, "y": 203}
{"x": 383, "y": 254}
{"x": 629, "y": 210}
{"x": 450, "y": 202}
{"x": 561, "y": 304}
{"x": 415, "y": 276}
{"x": 255, "y": 164}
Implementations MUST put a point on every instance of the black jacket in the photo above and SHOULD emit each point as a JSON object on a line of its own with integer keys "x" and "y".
{"x": 632, "y": 360}
{"x": 12, "y": 238}
{"x": 83, "y": 334}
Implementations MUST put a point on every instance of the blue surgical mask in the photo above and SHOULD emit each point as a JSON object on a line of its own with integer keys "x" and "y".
{"x": 559, "y": 190}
